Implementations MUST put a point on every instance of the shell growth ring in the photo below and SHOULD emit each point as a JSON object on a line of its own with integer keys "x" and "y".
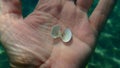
{"x": 65, "y": 36}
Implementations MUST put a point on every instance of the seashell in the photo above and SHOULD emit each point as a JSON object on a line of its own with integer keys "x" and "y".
{"x": 55, "y": 33}
{"x": 67, "y": 35}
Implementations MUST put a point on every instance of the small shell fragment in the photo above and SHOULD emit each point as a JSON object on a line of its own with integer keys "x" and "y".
{"x": 67, "y": 35}
{"x": 55, "y": 31}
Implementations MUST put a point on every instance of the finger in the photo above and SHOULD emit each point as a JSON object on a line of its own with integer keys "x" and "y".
{"x": 48, "y": 4}
{"x": 10, "y": 13}
{"x": 40, "y": 2}
{"x": 100, "y": 13}
{"x": 84, "y": 4}
{"x": 53, "y": 7}
{"x": 11, "y": 7}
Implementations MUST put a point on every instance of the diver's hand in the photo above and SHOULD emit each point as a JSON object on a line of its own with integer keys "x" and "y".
{"x": 28, "y": 41}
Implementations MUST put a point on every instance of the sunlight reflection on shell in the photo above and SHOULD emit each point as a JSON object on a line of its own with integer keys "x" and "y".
{"x": 67, "y": 36}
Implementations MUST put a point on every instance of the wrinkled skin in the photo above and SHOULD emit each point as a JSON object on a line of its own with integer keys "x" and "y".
{"x": 28, "y": 41}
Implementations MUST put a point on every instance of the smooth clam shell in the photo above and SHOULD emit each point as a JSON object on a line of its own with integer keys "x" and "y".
{"x": 55, "y": 31}
{"x": 67, "y": 35}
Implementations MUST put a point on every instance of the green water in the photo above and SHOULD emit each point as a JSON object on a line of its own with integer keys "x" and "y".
{"x": 107, "y": 52}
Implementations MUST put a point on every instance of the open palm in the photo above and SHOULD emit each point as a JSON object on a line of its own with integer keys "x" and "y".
{"x": 28, "y": 41}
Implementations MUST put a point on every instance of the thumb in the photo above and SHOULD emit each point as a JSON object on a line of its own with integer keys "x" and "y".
{"x": 10, "y": 11}
{"x": 10, "y": 7}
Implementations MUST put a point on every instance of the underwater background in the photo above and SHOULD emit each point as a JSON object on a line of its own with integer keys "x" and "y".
{"x": 107, "y": 51}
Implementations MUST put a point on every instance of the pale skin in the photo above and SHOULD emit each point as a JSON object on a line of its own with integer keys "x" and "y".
{"x": 28, "y": 41}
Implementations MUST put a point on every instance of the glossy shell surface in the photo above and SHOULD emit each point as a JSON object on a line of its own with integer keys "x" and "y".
{"x": 67, "y": 35}
{"x": 55, "y": 31}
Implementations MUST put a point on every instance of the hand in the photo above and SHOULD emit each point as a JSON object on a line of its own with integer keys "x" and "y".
{"x": 28, "y": 41}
